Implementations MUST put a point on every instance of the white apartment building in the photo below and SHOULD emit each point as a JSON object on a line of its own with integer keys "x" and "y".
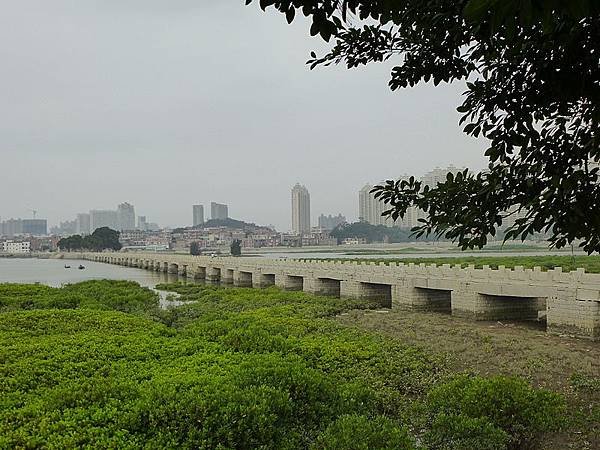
{"x": 16, "y": 247}
{"x": 300, "y": 210}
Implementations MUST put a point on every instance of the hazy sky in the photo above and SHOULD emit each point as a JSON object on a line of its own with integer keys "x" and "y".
{"x": 167, "y": 103}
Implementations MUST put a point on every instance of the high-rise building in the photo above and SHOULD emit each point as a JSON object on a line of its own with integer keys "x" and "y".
{"x": 104, "y": 218}
{"x": 219, "y": 211}
{"x": 11, "y": 227}
{"x": 438, "y": 175}
{"x": 370, "y": 209}
{"x": 330, "y": 222}
{"x": 83, "y": 223}
{"x": 300, "y": 209}
{"x": 142, "y": 223}
{"x": 198, "y": 215}
{"x": 35, "y": 227}
{"x": 126, "y": 215}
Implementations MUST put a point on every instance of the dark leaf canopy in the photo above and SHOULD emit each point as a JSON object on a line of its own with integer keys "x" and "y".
{"x": 532, "y": 74}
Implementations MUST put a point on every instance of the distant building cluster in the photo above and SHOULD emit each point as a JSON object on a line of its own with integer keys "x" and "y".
{"x": 370, "y": 209}
{"x": 29, "y": 227}
{"x": 218, "y": 211}
{"x": 25, "y": 235}
{"x": 121, "y": 219}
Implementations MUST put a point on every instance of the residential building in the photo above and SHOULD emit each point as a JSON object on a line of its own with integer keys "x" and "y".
{"x": 198, "y": 215}
{"x": 30, "y": 227}
{"x": 142, "y": 223}
{"x": 35, "y": 227}
{"x": 300, "y": 210}
{"x": 126, "y": 216}
{"x": 152, "y": 226}
{"x": 330, "y": 222}
{"x": 370, "y": 209}
{"x": 104, "y": 218}
{"x": 11, "y": 227}
{"x": 83, "y": 224}
{"x": 16, "y": 247}
{"x": 438, "y": 175}
{"x": 66, "y": 228}
{"x": 219, "y": 211}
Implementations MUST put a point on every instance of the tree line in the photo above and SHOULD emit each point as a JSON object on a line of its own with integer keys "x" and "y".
{"x": 101, "y": 239}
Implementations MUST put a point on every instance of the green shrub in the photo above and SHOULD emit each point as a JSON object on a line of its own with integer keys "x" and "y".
{"x": 465, "y": 433}
{"x": 97, "y": 365}
{"x": 357, "y": 432}
{"x": 125, "y": 296}
{"x": 508, "y": 404}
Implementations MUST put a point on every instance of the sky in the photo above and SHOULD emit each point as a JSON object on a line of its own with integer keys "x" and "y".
{"x": 169, "y": 103}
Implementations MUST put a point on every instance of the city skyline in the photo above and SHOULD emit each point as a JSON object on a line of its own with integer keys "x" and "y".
{"x": 252, "y": 131}
{"x": 366, "y": 203}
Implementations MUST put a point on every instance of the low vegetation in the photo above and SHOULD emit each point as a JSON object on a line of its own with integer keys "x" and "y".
{"x": 591, "y": 264}
{"x": 99, "y": 365}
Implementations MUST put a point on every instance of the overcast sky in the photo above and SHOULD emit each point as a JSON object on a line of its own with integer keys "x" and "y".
{"x": 168, "y": 103}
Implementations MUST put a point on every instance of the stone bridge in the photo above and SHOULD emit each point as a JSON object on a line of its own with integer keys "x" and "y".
{"x": 569, "y": 301}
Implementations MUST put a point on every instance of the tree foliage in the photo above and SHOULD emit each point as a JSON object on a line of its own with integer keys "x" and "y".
{"x": 236, "y": 248}
{"x": 194, "y": 248}
{"x": 371, "y": 233}
{"x": 97, "y": 365}
{"x": 532, "y": 76}
{"x": 101, "y": 239}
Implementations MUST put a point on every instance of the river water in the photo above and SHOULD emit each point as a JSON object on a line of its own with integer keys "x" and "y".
{"x": 52, "y": 272}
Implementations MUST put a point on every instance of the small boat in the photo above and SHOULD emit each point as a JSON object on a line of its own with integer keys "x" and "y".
{"x": 81, "y": 267}
{"x": 67, "y": 267}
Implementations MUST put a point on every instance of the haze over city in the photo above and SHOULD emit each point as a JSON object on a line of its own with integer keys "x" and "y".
{"x": 169, "y": 104}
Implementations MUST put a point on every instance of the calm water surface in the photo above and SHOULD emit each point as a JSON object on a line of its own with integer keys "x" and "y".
{"x": 53, "y": 273}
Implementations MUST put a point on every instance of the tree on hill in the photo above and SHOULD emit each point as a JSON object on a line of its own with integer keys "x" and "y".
{"x": 101, "y": 239}
{"x": 532, "y": 81}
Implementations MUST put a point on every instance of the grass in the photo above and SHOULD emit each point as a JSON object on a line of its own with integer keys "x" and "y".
{"x": 591, "y": 264}
{"x": 99, "y": 365}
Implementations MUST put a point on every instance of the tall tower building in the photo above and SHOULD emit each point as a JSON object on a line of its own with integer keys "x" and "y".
{"x": 126, "y": 215}
{"x": 300, "y": 209}
{"x": 198, "y": 215}
{"x": 219, "y": 211}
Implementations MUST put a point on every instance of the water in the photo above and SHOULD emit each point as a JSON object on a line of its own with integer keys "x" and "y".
{"x": 52, "y": 272}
